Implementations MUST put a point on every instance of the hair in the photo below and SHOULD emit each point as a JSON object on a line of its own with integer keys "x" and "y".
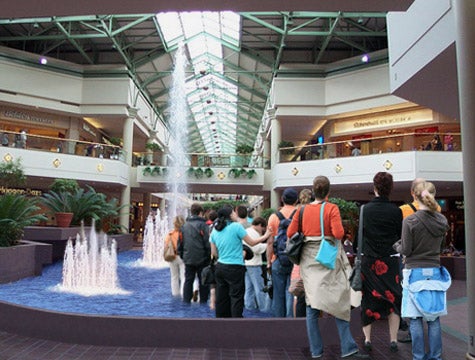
{"x": 415, "y": 182}
{"x": 196, "y": 209}
{"x": 259, "y": 220}
{"x": 224, "y": 215}
{"x": 241, "y": 211}
{"x": 306, "y": 196}
{"x": 321, "y": 187}
{"x": 213, "y": 215}
{"x": 178, "y": 222}
{"x": 383, "y": 183}
{"x": 425, "y": 194}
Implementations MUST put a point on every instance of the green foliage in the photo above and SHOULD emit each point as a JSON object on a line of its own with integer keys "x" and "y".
{"x": 85, "y": 205}
{"x": 197, "y": 172}
{"x": 17, "y": 212}
{"x": 349, "y": 211}
{"x": 250, "y": 173}
{"x": 209, "y": 172}
{"x": 12, "y": 174}
{"x": 64, "y": 185}
{"x": 244, "y": 149}
{"x": 216, "y": 205}
{"x": 286, "y": 144}
{"x": 241, "y": 172}
{"x": 266, "y": 213}
{"x": 115, "y": 141}
{"x": 153, "y": 146}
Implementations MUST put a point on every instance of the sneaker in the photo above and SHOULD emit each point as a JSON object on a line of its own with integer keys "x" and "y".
{"x": 368, "y": 346}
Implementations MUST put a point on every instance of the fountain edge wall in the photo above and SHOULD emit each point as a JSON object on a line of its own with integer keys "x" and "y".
{"x": 161, "y": 332}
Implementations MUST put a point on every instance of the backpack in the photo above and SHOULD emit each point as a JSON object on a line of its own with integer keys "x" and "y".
{"x": 280, "y": 241}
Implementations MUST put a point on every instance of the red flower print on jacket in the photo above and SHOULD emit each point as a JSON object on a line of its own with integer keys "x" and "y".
{"x": 376, "y": 294}
{"x": 390, "y": 296}
{"x": 379, "y": 267}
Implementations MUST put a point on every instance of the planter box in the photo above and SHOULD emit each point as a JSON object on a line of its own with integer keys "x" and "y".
{"x": 23, "y": 260}
{"x": 124, "y": 241}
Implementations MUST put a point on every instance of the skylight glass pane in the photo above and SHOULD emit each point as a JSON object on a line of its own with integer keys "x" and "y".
{"x": 170, "y": 26}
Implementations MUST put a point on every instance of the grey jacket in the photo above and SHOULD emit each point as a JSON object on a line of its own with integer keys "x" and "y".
{"x": 196, "y": 249}
{"x": 423, "y": 234}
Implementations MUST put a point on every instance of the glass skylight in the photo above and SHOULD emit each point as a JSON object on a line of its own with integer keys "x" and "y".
{"x": 212, "y": 98}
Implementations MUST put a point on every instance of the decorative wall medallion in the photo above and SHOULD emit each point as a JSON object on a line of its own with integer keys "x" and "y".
{"x": 8, "y": 157}
{"x": 221, "y": 175}
{"x": 388, "y": 164}
{"x": 100, "y": 167}
{"x": 56, "y": 163}
{"x": 295, "y": 171}
{"x": 338, "y": 168}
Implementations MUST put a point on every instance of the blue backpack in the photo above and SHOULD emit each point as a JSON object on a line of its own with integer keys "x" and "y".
{"x": 280, "y": 241}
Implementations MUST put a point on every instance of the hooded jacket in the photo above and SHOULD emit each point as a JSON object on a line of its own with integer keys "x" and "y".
{"x": 423, "y": 234}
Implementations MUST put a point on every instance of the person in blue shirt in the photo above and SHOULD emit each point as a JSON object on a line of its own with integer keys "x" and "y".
{"x": 226, "y": 245}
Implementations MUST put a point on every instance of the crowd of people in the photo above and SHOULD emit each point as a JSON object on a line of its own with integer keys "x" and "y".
{"x": 402, "y": 278}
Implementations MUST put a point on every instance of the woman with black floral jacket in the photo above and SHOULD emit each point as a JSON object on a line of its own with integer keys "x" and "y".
{"x": 382, "y": 291}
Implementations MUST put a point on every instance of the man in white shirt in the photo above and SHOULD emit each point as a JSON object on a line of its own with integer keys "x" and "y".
{"x": 255, "y": 297}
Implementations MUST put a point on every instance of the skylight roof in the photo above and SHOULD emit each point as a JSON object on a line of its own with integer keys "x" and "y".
{"x": 211, "y": 96}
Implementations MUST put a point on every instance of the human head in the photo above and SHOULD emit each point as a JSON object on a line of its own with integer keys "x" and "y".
{"x": 213, "y": 215}
{"x": 178, "y": 222}
{"x": 196, "y": 209}
{"x": 414, "y": 184}
{"x": 241, "y": 211}
{"x": 259, "y": 221}
{"x": 321, "y": 187}
{"x": 424, "y": 193}
{"x": 305, "y": 196}
{"x": 289, "y": 196}
{"x": 225, "y": 214}
{"x": 383, "y": 183}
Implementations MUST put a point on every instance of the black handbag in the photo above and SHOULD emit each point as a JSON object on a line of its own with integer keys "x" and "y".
{"x": 207, "y": 274}
{"x": 356, "y": 282}
{"x": 294, "y": 245}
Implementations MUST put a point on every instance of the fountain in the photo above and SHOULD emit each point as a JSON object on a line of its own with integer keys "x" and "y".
{"x": 90, "y": 266}
{"x": 156, "y": 228}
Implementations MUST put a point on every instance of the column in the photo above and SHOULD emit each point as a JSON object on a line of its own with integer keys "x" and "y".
{"x": 276, "y": 137}
{"x": 465, "y": 48}
{"x": 128, "y": 138}
{"x": 72, "y": 133}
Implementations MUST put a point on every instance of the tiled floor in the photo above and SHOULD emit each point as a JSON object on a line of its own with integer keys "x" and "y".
{"x": 455, "y": 330}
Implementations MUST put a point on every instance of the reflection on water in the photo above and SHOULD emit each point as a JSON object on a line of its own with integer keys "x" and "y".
{"x": 150, "y": 294}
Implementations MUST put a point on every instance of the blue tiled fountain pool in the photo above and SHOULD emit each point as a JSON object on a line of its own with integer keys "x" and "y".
{"x": 150, "y": 294}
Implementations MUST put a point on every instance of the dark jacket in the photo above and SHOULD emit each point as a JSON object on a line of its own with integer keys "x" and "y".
{"x": 423, "y": 234}
{"x": 382, "y": 222}
{"x": 195, "y": 248}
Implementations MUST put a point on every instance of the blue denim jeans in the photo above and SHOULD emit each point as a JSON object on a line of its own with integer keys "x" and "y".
{"x": 282, "y": 301}
{"x": 435, "y": 339}
{"x": 255, "y": 297}
{"x": 347, "y": 343}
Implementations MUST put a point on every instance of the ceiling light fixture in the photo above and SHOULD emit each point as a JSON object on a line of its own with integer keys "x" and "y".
{"x": 43, "y": 61}
{"x": 365, "y": 58}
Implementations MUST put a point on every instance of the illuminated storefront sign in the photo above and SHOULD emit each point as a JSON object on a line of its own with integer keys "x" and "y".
{"x": 380, "y": 122}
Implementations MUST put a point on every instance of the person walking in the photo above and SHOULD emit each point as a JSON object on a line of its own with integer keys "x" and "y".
{"x": 255, "y": 297}
{"x": 177, "y": 267}
{"x": 425, "y": 282}
{"x": 382, "y": 291}
{"x": 195, "y": 251}
{"x": 278, "y": 264}
{"x": 226, "y": 245}
{"x": 325, "y": 289}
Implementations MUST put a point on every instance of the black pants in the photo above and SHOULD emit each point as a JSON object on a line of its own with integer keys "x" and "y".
{"x": 230, "y": 290}
{"x": 190, "y": 273}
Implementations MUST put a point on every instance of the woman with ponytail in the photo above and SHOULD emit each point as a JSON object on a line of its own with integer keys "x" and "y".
{"x": 226, "y": 245}
{"x": 425, "y": 282}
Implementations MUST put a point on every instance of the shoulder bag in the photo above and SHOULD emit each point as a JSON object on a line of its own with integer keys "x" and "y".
{"x": 328, "y": 249}
{"x": 169, "y": 253}
{"x": 355, "y": 278}
{"x": 294, "y": 246}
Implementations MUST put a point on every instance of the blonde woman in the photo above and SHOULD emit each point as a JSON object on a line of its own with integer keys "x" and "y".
{"x": 177, "y": 267}
{"x": 424, "y": 280}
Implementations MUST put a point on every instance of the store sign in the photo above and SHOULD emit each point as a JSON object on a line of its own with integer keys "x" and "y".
{"x": 28, "y": 192}
{"x": 20, "y": 115}
{"x": 381, "y": 122}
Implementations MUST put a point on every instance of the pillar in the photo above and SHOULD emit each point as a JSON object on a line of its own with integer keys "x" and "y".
{"x": 465, "y": 48}
{"x": 276, "y": 137}
{"x": 128, "y": 137}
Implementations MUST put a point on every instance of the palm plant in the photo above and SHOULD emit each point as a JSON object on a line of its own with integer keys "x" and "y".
{"x": 17, "y": 212}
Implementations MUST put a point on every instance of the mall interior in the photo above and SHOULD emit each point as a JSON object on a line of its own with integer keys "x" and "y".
{"x": 335, "y": 89}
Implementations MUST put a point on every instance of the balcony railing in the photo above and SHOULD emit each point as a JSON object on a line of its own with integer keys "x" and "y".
{"x": 375, "y": 145}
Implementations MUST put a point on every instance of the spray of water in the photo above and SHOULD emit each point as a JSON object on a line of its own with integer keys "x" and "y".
{"x": 157, "y": 226}
{"x": 90, "y": 266}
